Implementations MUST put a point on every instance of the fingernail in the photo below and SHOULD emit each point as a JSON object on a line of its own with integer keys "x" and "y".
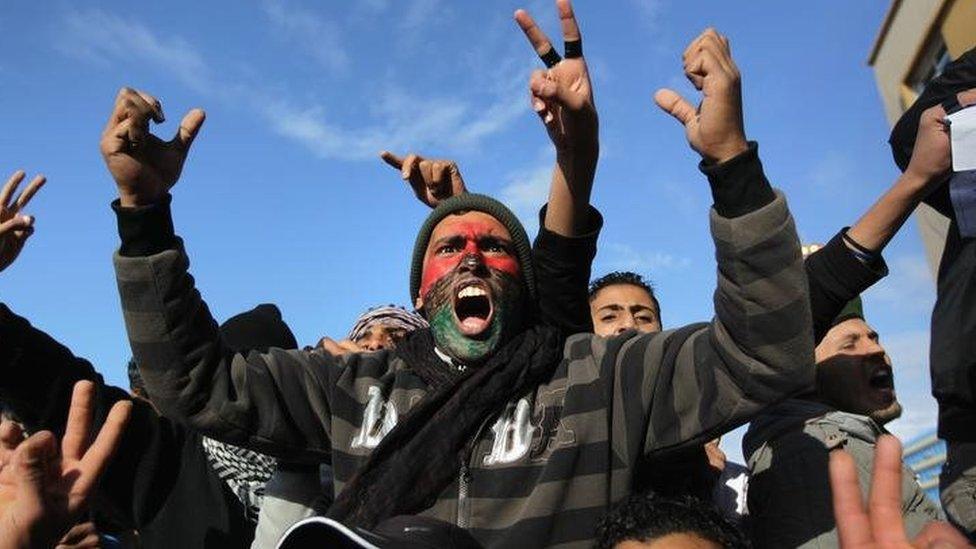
{"x": 29, "y": 219}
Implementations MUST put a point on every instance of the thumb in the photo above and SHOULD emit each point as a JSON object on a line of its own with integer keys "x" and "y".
{"x": 391, "y": 159}
{"x": 189, "y": 127}
{"x": 675, "y": 105}
{"x": 555, "y": 90}
{"x": 16, "y": 222}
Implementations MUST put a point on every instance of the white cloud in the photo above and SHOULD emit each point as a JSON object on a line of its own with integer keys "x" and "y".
{"x": 398, "y": 120}
{"x": 526, "y": 191}
{"x": 908, "y": 289}
{"x": 319, "y": 38}
{"x": 102, "y": 38}
{"x": 623, "y": 257}
{"x": 909, "y": 352}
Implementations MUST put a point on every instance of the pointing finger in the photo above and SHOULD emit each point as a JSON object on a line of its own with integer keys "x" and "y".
{"x": 391, "y": 159}
{"x": 32, "y": 188}
{"x": 10, "y": 187}
{"x": 532, "y": 31}
{"x": 567, "y": 20}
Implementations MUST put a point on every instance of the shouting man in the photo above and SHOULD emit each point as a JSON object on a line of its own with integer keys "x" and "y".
{"x": 488, "y": 419}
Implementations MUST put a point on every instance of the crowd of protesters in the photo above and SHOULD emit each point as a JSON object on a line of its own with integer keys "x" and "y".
{"x": 513, "y": 403}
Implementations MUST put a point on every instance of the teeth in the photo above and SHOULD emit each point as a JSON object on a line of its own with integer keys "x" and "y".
{"x": 471, "y": 291}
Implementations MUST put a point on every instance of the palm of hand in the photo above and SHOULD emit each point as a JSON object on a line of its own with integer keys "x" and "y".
{"x": 577, "y": 115}
{"x": 154, "y": 170}
{"x": 709, "y": 132}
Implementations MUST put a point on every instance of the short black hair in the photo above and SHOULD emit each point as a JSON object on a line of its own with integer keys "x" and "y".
{"x": 624, "y": 277}
{"x": 649, "y": 516}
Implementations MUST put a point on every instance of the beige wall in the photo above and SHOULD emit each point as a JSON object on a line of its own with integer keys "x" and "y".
{"x": 959, "y": 27}
{"x": 907, "y": 32}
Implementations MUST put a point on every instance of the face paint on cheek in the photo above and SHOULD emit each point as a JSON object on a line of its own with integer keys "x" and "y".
{"x": 435, "y": 268}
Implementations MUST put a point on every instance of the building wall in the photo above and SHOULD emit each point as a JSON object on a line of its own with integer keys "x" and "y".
{"x": 908, "y": 29}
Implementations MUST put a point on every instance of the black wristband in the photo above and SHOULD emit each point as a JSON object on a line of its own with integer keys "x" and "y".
{"x": 550, "y": 58}
{"x": 145, "y": 230}
{"x": 739, "y": 185}
{"x": 573, "y": 49}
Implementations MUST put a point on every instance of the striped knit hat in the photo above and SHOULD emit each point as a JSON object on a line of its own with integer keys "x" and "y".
{"x": 390, "y": 315}
{"x": 479, "y": 203}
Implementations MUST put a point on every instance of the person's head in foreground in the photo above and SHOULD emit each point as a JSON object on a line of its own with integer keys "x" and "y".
{"x": 472, "y": 277}
{"x": 621, "y": 301}
{"x": 383, "y": 327}
{"x": 650, "y": 520}
{"x": 854, "y": 372}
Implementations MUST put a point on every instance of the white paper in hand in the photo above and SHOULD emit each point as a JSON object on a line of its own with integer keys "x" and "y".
{"x": 962, "y": 131}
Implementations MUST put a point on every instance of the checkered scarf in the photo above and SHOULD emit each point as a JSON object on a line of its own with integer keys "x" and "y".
{"x": 244, "y": 471}
{"x": 390, "y": 315}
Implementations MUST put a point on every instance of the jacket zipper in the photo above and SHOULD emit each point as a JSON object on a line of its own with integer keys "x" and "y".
{"x": 464, "y": 477}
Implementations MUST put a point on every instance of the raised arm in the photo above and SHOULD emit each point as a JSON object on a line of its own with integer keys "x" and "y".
{"x": 697, "y": 383}
{"x": 276, "y": 402}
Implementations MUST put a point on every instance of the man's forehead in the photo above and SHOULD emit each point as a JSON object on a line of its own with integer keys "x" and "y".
{"x": 624, "y": 294}
{"x": 476, "y": 223}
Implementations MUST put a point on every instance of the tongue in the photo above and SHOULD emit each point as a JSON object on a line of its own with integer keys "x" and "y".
{"x": 473, "y": 324}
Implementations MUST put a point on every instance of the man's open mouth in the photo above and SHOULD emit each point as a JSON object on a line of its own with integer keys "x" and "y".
{"x": 472, "y": 307}
{"x": 882, "y": 379}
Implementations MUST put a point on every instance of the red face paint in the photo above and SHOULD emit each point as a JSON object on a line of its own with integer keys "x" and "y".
{"x": 459, "y": 236}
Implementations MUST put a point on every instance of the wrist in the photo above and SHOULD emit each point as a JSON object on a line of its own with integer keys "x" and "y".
{"x": 917, "y": 183}
{"x": 137, "y": 200}
{"x": 732, "y": 149}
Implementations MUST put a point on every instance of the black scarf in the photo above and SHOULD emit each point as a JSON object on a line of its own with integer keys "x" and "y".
{"x": 421, "y": 456}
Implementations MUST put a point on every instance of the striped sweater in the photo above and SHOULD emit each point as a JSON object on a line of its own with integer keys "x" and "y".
{"x": 543, "y": 472}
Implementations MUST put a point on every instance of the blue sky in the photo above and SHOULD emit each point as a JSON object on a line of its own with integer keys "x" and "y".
{"x": 284, "y": 199}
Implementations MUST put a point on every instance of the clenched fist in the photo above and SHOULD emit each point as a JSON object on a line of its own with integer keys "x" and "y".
{"x": 715, "y": 130}
{"x": 932, "y": 156}
{"x": 144, "y": 166}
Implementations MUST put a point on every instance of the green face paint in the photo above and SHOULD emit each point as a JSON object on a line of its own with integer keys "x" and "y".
{"x": 508, "y": 317}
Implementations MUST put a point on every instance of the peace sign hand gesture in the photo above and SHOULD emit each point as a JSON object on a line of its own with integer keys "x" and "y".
{"x": 562, "y": 95}
{"x": 15, "y": 228}
{"x": 43, "y": 488}
{"x": 144, "y": 166}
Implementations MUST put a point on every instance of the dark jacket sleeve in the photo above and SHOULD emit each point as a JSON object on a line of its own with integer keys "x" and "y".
{"x": 37, "y": 376}
{"x": 562, "y": 271}
{"x": 276, "y": 402}
{"x": 688, "y": 385}
{"x": 836, "y": 277}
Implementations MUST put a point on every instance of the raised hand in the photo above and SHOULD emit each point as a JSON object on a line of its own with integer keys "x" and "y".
{"x": 715, "y": 129}
{"x": 144, "y": 166}
{"x": 881, "y": 526}
{"x": 42, "y": 489}
{"x": 15, "y": 227}
{"x": 432, "y": 180}
{"x": 932, "y": 157}
{"x": 562, "y": 95}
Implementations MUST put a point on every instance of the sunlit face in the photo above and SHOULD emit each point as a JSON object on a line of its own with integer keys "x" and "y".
{"x": 471, "y": 286}
{"x": 854, "y": 373}
{"x": 620, "y": 307}
{"x": 379, "y": 336}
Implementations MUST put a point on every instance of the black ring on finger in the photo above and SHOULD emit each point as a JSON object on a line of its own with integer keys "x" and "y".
{"x": 550, "y": 58}
{"x": 573, "y": 49}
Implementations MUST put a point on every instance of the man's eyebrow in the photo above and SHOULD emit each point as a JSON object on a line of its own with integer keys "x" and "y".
{"x": 447, "y": 239}
{"x": 612, "y": 307}
{"x": 494, "y": 239}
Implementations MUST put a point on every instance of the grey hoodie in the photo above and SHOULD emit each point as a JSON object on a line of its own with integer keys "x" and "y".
{"x": 787, "y": 449}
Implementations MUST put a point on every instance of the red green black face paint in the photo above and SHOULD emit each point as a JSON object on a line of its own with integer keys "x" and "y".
{"x": 471, "y": 287}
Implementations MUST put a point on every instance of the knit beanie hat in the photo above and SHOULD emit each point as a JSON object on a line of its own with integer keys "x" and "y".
{"x": 853, "y": 309}
{"x": 480, "y": 203}
{"x": 258, "y": 329}
{"x": 390, "y": 315}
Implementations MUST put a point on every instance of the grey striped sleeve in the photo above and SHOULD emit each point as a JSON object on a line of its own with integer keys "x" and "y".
{"x": 697, "y": 382}
{"x": 276, "y": 403}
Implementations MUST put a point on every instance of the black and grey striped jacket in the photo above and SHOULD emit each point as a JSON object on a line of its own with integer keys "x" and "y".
{"x": 547, "y": 469}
